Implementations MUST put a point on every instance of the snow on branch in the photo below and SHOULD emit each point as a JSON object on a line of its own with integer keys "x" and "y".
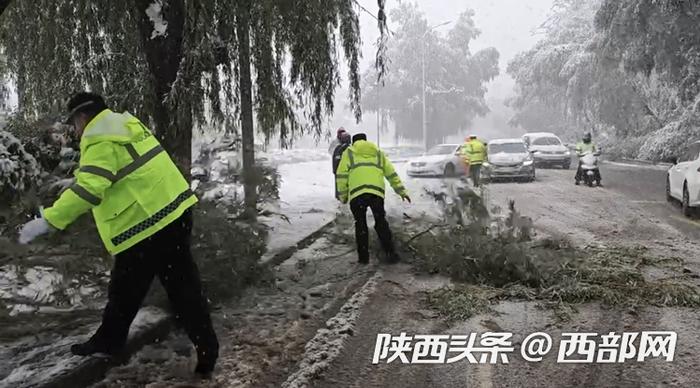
{"x": 155, "y": 14}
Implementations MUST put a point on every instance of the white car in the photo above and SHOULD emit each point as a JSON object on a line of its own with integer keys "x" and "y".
{"x": 441, "y": 160}
{"x": 683, "y": 180}
{"x": 508, "y": 158}
{"x": 402, "y": 154}
{"x": 548, "y": 149}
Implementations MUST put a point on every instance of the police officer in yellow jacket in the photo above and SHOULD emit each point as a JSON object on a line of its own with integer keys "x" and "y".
{"x": 360, "y": 180}
{"x": 474, "y": 153}
{"x": 141, "y": 205}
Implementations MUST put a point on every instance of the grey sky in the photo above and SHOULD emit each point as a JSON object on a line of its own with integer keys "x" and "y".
{"x": 508, "y": 25}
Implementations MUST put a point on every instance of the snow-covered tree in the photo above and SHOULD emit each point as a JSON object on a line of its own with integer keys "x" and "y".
{"x": 182, "y": 64}
{"x": 455, "y": 77}
{"x": 626, "y": 70}
{"x": 18, "y": 169}
{"x": 657, "y": 44}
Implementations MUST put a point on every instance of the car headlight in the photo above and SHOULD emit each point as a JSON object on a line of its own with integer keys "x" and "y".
{"x": 567, "y": 153}
{"x": 486, "y": 164}
{"x": 527, "y": 163}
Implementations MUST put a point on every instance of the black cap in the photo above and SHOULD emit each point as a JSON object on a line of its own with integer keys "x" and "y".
{"x": 358, "y": 137}
{"x": 84, "y": 102}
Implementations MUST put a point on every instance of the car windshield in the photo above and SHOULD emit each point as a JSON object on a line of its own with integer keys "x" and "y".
{"x": 391, "y": 151}
{"x": 508, "y": 148}
{"x": 411, "y": 151}
{"x": 544, "y": 141}
{"x": 441, "y": 150}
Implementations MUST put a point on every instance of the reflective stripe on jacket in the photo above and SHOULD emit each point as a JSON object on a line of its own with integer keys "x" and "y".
{"x": 363, "y": 168}
{"x": 582, "y": 148}
{"x": 474, "y": 152}
{"x": 128, "y": 181}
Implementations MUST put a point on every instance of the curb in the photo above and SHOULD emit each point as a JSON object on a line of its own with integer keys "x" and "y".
{"x": 643, "y": 162}
{"x": 281, "y": 257}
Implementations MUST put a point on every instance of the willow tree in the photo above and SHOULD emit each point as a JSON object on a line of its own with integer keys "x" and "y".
{"x": 183, "y": 63}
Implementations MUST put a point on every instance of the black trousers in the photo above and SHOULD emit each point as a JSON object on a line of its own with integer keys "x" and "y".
{"x": 359, "y": 206}
{"x": 167, "y": 255}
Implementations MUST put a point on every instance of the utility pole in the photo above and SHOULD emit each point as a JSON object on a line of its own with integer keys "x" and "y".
{"x": 425, "y": 119}
{"x": 379, "y": 130}
{"x": 425, "y": 122}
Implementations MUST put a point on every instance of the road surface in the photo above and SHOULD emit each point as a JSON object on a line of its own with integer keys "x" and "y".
{"x": 317, "y": 325}
{"x": 630, "y": 210}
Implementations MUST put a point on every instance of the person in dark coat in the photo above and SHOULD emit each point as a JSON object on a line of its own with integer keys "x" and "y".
{"x": 345, "y": 138}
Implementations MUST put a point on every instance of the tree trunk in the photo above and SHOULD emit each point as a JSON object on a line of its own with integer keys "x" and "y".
{"x": 164, "y": 54}
{"x": 250, "y": 175}
{"x": 3, "y": 5}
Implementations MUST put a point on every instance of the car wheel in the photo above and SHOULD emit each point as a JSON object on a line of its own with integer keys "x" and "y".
{"x": 669, "y": 197}
{"x": 449, "y": 170}
{"x": 566, "y": 165}
{"x": 687, "y": 210}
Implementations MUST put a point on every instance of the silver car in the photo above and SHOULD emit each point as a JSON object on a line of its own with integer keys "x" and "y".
{"x": 508, "y": 159}
{"x": 548, "y": 150}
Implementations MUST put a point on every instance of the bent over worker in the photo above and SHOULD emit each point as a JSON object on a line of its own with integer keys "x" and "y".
{"x": 141, "y": 204}
{"x": 360, "y": 180}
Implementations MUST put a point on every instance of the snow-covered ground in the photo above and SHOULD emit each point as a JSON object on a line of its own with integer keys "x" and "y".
{"x": 307, "y": 203}
{"x": 33, "y": 361}
{"x": 307, "y": 200}
{"x": 291, "y": 156}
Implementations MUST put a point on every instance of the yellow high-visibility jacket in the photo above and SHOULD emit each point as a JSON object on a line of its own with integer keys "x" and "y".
{"x": 128, "y": 181}
{"x": 474, "y": 152}
{"x": 362, "y": 169}
{"x": 582, "y": 148}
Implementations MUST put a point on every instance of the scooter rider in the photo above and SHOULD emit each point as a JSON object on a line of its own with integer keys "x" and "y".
{"x": 582, "y": 148}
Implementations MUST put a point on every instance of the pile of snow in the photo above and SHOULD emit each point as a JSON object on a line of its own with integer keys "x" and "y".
{"x": 18, "y": 169}
{"x": 38, "y": 288}
{"x": 227, "y": 193}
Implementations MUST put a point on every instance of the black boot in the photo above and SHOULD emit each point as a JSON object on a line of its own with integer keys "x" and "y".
{"x": 206, "y": 360}
{"x": 204, "y": 369}
{"x": 392, "y": 257}
{"x": 363, "y": 259}
{"x": 90, "y": 347}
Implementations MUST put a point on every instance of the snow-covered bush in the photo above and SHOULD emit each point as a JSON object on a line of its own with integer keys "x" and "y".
{"x": 217, "y": 173}
{"x": 673, "y": 139}
{"x": 19, "y": 170}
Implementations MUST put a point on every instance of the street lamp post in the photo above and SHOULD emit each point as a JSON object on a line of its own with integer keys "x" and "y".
{"x": 425, "y": 119}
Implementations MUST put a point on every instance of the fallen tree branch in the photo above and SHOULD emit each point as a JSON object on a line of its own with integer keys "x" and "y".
{"x": 434, "y": 226}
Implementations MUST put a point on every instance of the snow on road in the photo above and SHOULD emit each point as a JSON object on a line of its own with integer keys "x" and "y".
{"x": 584, "y": 216}
{"x": 270, "y": 330}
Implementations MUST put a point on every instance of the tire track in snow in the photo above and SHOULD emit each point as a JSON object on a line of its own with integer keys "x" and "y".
{"x": 328, "y": 342}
